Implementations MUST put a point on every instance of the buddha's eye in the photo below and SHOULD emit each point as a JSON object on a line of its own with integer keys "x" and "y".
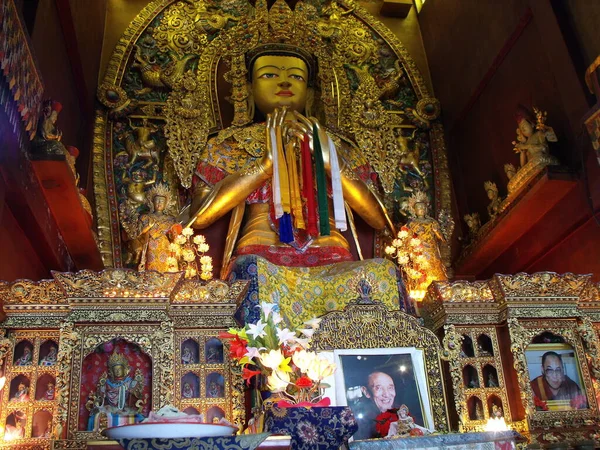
{"x": 297, "y": 77}
{"x": 268, "y": 75}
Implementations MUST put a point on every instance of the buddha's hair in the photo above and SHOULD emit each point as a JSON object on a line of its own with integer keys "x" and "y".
{"x": 281, "y": 49}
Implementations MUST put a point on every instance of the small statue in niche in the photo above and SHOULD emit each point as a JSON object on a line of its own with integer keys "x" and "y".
{"x": 26, "y": 359}
{"x": 187, "y": 356}
{"x": 474, "y": 224}
{"x": 495, "y": 201}
{"x": 47, "y": 140}
{"x": 50, "y": 358}
{"x": 497, "y": 411}
{"x": 482, "y": 351}
{"x": 22, "y": 394}
{"x": 473, "y": 382}
{"x": 478, "y": 411}
{"x": 117, "y": 394}
{"x": 214, "y": 390}
{"x": 492, "y": 381}
{"x": 48, "y": 431}
{"x": 187, "y": 391}
{"x": 49, "y": 394}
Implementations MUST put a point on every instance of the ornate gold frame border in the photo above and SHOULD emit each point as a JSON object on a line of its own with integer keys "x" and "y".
{"x": 521, "y": 334}
{"x": 366, "y": 326}
{"x": 108, "y": 228}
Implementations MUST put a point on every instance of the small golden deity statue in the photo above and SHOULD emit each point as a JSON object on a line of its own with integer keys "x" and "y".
{"x": 118, "y": 395}
{"x": 533, "y": 136}
{"x": 474, "y": 224}
{"x": 47, "y": 140}
{"x": 156, "y": 229}
{"x": 495, "y": 201}
{"x": 510, "y": 170}
{"x": 430, "y": 233}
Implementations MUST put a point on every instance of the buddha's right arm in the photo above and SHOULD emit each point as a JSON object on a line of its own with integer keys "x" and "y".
{"x": 209, "y": 205}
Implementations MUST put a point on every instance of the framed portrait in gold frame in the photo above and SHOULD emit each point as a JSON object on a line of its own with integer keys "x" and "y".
{"x": 575, "y": 403}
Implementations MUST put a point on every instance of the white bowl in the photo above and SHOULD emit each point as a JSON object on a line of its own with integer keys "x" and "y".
{"x": 168, "y": 430}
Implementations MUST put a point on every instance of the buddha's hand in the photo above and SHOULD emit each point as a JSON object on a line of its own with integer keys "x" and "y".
{"x": 273, "y": 128}
{"x": 304, "y": 126}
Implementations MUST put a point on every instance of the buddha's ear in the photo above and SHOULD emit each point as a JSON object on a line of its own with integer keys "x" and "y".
{"x": 310, "y": 99}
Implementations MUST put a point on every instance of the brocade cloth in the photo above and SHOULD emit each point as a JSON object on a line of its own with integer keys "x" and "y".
{"x": 306, "y": 292}
{"x": 318, "y": 428}
{"x": 242, "y": 442}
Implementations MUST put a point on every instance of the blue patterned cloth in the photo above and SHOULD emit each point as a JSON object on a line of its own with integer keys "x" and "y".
{"x": 318, "y": 428}
{"x": 242, "y": 442}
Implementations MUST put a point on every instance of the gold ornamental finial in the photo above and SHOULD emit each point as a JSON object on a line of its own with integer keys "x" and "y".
{"x": 117, "y": 359}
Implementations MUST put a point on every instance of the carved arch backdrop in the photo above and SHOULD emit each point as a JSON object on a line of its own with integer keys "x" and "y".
{"x": 178, "y": 75}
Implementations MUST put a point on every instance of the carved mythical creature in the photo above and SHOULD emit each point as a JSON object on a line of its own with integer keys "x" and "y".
{"x": 209, "y": 19}
{"x": 140, "y": 145}
{"x": 157, "y": 78}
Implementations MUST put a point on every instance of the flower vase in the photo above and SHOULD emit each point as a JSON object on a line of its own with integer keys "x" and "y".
{"x": 312, "y": 428}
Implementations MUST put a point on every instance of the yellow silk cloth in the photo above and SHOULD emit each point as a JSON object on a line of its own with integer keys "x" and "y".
{"x": 306, "y": 292}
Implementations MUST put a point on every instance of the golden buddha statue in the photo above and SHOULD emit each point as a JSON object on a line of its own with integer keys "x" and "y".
{"x": 238, "y": 171}
{"x": 118, "y": 397}
{"x": 155, "y": 228}
{"x": 430, "y": 233}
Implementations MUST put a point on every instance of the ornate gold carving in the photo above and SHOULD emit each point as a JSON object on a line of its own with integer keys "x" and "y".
{"x": 215, "y": 291}
{"x": 117, "y": 283}
{"x": 374, "y": 326}
{"x": 592, "y": 345}
{"x": 69, "y": 340}
{"x": 541, "y": 284}
{"x": 464, "y": 291}
{"x": 452, "y": 344}
{"x": 162, "y": 341}
{"x": 26, "y": 292}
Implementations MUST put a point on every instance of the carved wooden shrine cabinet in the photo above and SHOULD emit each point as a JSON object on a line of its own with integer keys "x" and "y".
{"x": 511, "y": 340}
{"x": 59, "y": 334}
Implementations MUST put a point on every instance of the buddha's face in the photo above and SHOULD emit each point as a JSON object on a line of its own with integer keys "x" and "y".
{"x": 119, "y": 371}
{"x": 279, "y": 81}
{"x": 420, "y": 209}
{"x": 526, "y": 127}
{"x": 159, "y": 203}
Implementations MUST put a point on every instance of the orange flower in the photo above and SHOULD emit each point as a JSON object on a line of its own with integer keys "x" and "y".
{"x": 247, "y": 374}
{"x": 304, "y": 382}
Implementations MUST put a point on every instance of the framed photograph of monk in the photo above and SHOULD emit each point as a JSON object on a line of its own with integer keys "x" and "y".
{"x": 374, "y": 381}
{"x": 555, "y": 377}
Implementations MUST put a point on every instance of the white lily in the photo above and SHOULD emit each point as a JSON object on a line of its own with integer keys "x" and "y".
{"x": 285, "y": 335}
{"x": 313, "y": 323}
{"x": 267, "y": 308}
{"x": 257, "y": 330}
